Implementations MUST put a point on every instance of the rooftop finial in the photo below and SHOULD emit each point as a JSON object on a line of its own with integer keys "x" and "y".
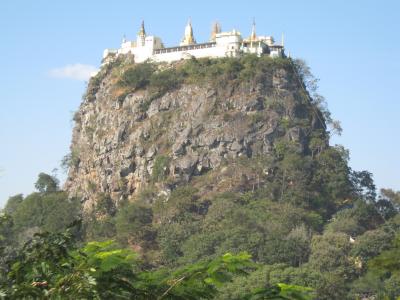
{"x": 283, "y": 40}
{"x": 253, "y": 35}
{"x": 188, "y": 38}
{"x": 142, "y": 31}
{"x": 215, "y": 29}
{"x": 141, "y": 36}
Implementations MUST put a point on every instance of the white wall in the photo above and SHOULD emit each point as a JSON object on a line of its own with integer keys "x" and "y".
{"x": 198, "y": 53}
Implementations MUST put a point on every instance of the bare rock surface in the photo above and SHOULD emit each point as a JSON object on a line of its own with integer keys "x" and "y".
{"x": 116, "y": 142}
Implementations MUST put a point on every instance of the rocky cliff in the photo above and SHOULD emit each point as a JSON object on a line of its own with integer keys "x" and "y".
{"x": 130, "y": 134}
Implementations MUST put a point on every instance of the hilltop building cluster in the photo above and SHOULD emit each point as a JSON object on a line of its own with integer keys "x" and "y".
{"x": 221, "y": 44}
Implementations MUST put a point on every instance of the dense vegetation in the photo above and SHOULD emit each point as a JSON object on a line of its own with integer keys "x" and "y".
{"x": 50, "y": 266}
{"x": 290, "y": 243}
{"x": 304, "y": 217}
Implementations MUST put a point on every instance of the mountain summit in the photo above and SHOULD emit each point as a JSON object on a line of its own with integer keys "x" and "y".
{"x": 164, "y": 125}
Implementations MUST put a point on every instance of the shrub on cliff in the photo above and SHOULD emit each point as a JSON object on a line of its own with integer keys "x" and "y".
{"x": 138, "y": 76}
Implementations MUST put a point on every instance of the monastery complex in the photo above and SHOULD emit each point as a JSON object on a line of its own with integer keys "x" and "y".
{"x": 221, "y": 44}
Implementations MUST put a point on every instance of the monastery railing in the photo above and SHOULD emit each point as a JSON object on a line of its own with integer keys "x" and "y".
{"x": 185, "y": 48}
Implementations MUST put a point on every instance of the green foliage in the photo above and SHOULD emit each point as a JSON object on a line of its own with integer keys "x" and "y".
{"x": 317, "y": 143}
{"x": 371, "y": 244}
{"x": 48, "y": 211}
{"x": 13, "y": 203}
{"x": 70, "y": 160}
{"x": 198, "y": 281}
{"x": 355, "y": 220}
{"x": 47, "y": 183}
{"x": 138, "y": 76}
{"x": 216, "y": 72}
{"x": 6, "y": 226}
{"x": 299, "y": 211}
{"x": 99, "y": 228}
{"x": 382, "y": 279}
{"x": 133, "y": 224}
{"x": 264, "y": 283}
{"x": 392, "y": 196}
{"x": 105, "y": 205}
{"x": 328, "y": 186}
{"x": 219, "y": 71}
{"x": 282, "y": 291}
{"x": 95, "y": 81}
{"x": 388, "y": 203}
{"x": 50, "y": 266}
{"x": 160, "y": 168}
{"x": 388, "y": 260}
{"x": 329, "y": 253}
{"x": 241, "y": 286}
{"x": 100, "y": 223}
{"x": 93, "y": 87}
{"x": 364, "y": 185}
{"x": 304, "y": 77}
{"x": 166, "y": 80}
{"x": 233, "y": 224}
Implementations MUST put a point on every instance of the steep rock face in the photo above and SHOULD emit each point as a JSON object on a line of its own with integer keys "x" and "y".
{"x": 121, "y": 145}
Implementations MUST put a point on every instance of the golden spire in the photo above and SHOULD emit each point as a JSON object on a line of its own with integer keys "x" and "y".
{"x": 142, "y": 31}
{"x": 253, "y": 36}
{"x": 215, "y": 29}
{"x": 282, "y": 40}
{"x": 188, "y": 38}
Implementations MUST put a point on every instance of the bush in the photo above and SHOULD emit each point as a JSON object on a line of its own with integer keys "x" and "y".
{"x": 138, "y": 76}
{"x": 160, "y": 168}
{"x": 166, "y": 80}
{"x": 133, "y": 223}
{"x": 70, "y": 160}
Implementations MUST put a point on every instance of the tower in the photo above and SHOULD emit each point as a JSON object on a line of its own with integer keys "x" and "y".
{"x": 215, "y": 29}
{"x": 141, "y": 36}
{"x": 188, "y": 38}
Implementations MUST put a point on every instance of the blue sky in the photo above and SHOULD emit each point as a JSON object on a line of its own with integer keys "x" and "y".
{"x": 352, "y": 46}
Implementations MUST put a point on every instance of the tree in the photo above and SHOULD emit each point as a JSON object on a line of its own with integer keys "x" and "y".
{"x": 133, "y": 224}
{"x": 100, "y": 222}
{"x": 390, "y": 196}
{"x": 364, "y": 185}
{"x": 330, "y": 254}
{"x": 45, "y": 212}
{"x": 13, "y": 203}
{"x": 371, "y": 244}
{"x": 6, "y": 227}
{"x": 46, "y": 183}
{"x": 355, "y": 220}
{"x": 382, "y": 279}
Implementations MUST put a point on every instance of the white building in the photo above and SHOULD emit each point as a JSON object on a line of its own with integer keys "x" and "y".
{"x": 221, "y": 44}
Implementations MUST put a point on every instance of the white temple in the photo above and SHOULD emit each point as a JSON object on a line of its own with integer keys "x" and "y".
{"x": 221, "y": 44}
